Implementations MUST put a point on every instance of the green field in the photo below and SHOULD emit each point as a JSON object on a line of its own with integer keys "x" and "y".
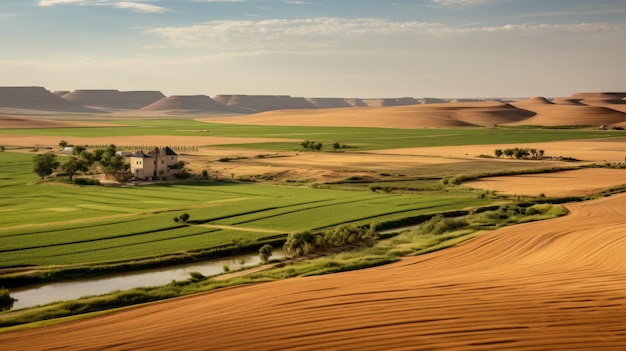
{"x": 358, "y": 138}
{"x": 54, "y": 224}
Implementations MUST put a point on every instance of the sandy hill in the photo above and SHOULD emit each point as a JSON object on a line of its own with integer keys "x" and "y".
{"x": 614, "y": 100}
{"x": 390, "y": 102}
{"x": 409, "y": 116}
{"x": 114, "y": 99}
{"x": 264, "y": 102}
{"x": 329, "y": 102}
{"x": 551, "y": 114}
{"x": 190, "y": 104}
{"x": 37, "y": 99}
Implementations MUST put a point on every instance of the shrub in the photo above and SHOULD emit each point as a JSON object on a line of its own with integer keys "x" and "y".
{"x": 86, "y": 181}
{"x": 440, "y": 224}
{"x": 6, "y": 301}
{"x": 265, "y": 252}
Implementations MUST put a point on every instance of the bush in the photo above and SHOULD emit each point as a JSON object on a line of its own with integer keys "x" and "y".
{"x": 440, "y": 224}
{"x": 6, "y": 301}
{"x": 86, "y": 181}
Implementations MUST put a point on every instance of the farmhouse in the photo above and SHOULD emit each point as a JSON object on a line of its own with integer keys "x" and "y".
{"x": 156, "y": 163}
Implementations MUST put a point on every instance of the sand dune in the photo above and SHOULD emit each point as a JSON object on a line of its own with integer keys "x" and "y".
{"x": 178, "y": 104}
{"x": 550, "y": 114}
{"x": 265, "y": 102}
{"x": 551, "y": 285}
{"x": 329, "y": 102}
{"x": 390, "y": 102}
{"x": 113, "y": 99}
{"x": 384, "y": 117}
{"x": 37, "y": 98}
{"x": 410, "y": 116}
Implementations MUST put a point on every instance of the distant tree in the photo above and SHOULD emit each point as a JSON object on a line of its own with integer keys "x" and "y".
{"x": 540, "y": 154}
{"x": 63, "y": 144}
{"x": 520, "y": 153}
{"x": 498, "y": 153}
{"x": 336, "y": 146}
{"x": 112, "y": 164}
{"x": 2, "y": 148}
{"x": 87, "y": 157}
{"x": 182, "y": 218}
{"x": 509, "y": 152}
{"x": 45, "y": 164}
{"x": 78, "y": 149}
{"x": 317, "y": 146}
{"x": 73, "y": 165}
{"x": 533, "y": 153}
{"x": 265, "y": 252}
{"x": 305, "y": 144}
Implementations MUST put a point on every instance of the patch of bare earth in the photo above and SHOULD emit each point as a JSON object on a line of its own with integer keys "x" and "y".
{"x": 550, "y": 285}
{"x": 567, "y": 183}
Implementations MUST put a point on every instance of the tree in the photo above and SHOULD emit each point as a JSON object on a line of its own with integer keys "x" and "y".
{"x": 300, "y": 243}
{"x": 78, "y": 149}
{"x": 498, "y": 153}
{"x": 509, "y": 152}
{"x": 112, "y": 164}
{"x": 73, "y": 165}
{"x": 63, "y": 144}
{"x": 336, "y": 146}
{"x": 182, "y": 218}
{"x": 45, "y": 164}
{"x": 265, "y": 252}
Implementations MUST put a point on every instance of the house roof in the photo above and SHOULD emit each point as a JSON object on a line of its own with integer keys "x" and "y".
{"x": 141, "y": 154}
{"x": 170, "y": 152}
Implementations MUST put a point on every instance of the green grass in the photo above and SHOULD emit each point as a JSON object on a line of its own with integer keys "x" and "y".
{"x": 52, "y": 224}
{"x": 358, "y": 138}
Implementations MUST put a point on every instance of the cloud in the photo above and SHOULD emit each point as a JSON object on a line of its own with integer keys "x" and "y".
{"x": 461, "y": 3}
{"x": 134, "y": 6}
{"x": 280, "y": 34}
{"x": 139, "y": 7}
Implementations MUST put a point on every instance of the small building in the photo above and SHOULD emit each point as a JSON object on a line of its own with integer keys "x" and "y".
{"x": 68, "y": 150}
{"x": 154, "y": 164}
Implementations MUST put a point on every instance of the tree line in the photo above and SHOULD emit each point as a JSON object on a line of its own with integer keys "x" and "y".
{"x": 520, "y": 153}
{"x": 81, "y": 160}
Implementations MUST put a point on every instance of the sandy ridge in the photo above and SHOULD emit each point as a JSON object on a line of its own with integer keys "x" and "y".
{"x": 549, "y": 285}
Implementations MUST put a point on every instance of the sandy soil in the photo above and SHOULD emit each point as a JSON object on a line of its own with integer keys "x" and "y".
{"x": 551, "y": 285}
{"x": 569, "y": 183}
{"x": 594, "y": 150}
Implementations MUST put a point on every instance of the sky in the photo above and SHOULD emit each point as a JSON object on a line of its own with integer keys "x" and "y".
{"x": 311, "y": 48}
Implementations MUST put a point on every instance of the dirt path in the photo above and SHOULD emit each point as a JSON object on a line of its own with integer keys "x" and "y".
{"x": 551, "y": 285}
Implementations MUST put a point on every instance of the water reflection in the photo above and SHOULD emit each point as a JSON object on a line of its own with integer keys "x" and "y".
{"x": 70, "y": 290}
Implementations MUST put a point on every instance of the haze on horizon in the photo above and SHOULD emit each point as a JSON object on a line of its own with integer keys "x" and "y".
{"x": 317, "y": 48}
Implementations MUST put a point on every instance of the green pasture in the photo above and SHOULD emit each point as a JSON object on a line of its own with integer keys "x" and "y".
{"x": 54, "y": 223}
{"x": 358, "y": 139}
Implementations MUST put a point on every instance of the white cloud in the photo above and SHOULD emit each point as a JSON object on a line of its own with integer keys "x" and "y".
{"x": 134, "y": 6}
{"x": 139, "y": 7}
{"x": 280, "y": 34}
{"x": 461, "y": 3}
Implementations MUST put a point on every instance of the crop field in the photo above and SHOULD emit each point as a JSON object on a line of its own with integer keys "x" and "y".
{"x": 55, "y": 223}
{"x": 358, "y": 138}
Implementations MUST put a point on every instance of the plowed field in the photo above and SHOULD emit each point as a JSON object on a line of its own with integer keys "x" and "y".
{"x": 551, "y": 285}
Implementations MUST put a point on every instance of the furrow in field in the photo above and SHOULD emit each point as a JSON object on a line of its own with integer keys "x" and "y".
{"x": 552, "y": 285}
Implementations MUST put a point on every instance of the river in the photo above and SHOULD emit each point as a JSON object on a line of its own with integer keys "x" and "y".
{"x": 70, "y": 290}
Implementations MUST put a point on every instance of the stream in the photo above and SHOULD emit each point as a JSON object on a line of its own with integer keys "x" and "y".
{"x": 34, "y": 295}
